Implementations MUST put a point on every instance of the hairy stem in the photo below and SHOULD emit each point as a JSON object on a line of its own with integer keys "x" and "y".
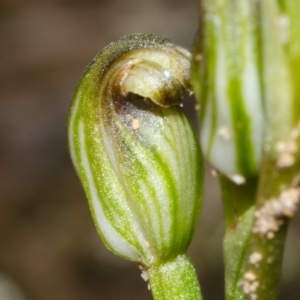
{"x": 176, "y": 280}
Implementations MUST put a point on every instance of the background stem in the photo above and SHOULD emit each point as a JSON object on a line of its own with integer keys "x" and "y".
{"x": 238, "y": 202}
{"x": 262, "y": 275}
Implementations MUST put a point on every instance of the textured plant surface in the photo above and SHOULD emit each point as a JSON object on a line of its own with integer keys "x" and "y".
{"x": 138, "y": 157}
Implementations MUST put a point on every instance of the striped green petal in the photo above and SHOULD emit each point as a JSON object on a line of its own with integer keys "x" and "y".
{"x": 135, "y": 152}
{"x": 227, "y": 82}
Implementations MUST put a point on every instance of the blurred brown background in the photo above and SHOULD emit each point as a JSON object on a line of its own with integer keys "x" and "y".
{"x": 49, "y": 248}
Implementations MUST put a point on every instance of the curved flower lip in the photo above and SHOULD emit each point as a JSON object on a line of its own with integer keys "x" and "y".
{"x": 159, "y": 85}
{"x": 131, "y": 146}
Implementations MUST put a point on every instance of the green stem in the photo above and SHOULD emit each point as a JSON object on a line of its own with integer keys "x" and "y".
{"x": 253, "y": 250}
{"x": 176, "y": 280}
{"x": 238, "y": 202}
{"x": 270, "y": 230}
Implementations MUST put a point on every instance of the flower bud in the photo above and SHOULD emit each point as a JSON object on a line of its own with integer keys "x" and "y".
{"x": 280, "y": 32}
{"x": 135, "y": 152}
{"x": 226, "y": 80}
